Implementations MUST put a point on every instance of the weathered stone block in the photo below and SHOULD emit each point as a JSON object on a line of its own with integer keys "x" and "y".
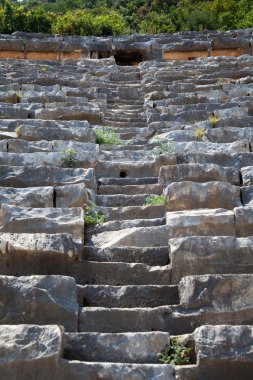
{"x": 197, "y": 255}
{"x": 190, "y": 195}
{"x": 198, "y": 173}
{"x": 46, "y": 220}
{"x": 39, "y": 300}
{"x": 75, "y": 195}
{"x": 243, "y": 221}
{"x": 30, "y": 352}
{"x": 25, "y": 176}
{"x": 206, "y": 222}
{"x": 38, "y": 253}
{"x": 124, "y": 348}
{"x": 28, "y": 197}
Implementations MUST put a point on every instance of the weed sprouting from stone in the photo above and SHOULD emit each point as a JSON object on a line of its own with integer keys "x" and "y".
{"x": 213, "y": 120}
{"x": 93, "y": 217}
{"x": 154, "y": 200}
{"x": 108, "y": 136}
{"x": 17, "y": 131}
{"x": 175, "y": 354}
{"x": 199, "y": 133}
{"x": 68, "y": 159}
{"x": 164, "y": 148}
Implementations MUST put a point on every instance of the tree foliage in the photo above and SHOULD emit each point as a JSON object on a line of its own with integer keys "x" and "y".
{"x": 117, "y": 17}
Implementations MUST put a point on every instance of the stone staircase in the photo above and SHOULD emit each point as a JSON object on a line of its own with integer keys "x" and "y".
{"x": 101, "y": 302}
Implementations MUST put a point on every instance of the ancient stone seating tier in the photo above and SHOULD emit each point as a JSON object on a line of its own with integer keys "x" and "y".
{"x": 101, "y": 302}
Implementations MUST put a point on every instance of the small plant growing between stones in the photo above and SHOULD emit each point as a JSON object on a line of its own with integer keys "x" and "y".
{"x": 19, "y": 96}
{"x": 199, "y": 133}
{"x": 68, "y": 160}
{"x": 164, "y": 148}
{"x": 43, "y": 69}
{"x": 213, "y": 120}
{"x": 107, "y": 136}
{"x": 249, "y": 182}
{"x": 175, "y": 354}
{"x": 93, "y": 217}
{"x": 17, "y": 131}
{"x": 154, "y": 200}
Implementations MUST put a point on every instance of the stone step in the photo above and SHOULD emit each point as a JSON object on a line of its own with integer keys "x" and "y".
{"x": 125, "y": 124}
{"x": 124, "y": 348}
{"x": 129, "y": 296}
{"x": 124, "y": 116}
{"x": 135, "y": 212}
{"x": 118, "y": 169}
{"x": 137, "y": 107}
{"x": 146, "y": 255}
{"x": 131, "y": 103}
{"x": 125, "y": 157}
{"x": 130, "y": 189}
{"x": 220, "y": 298}
{"x": 114, "y": 273}
{"x": 117, "y": 320}
{"x": 73, "y": 369}
{"x": 127, "y": 181}
{"x": 116, "y": 225}
{"x": 122, "y": 200}
{"x": 202, "y": 222}
{"x": 123, "y": 148}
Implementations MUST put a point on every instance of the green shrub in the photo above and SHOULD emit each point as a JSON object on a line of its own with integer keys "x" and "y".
{"x": 108, "y": 136}
{"x": 155, "y": 200}
{"x": 100, "y": 22}
{"x": 93, "y": 217}
{"x": 164, "y": 148}
{"x": 68, "y": 159}
{"x": 175, "y": 354}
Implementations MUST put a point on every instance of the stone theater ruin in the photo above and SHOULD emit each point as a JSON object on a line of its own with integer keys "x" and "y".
{"x": 126, "y": 217}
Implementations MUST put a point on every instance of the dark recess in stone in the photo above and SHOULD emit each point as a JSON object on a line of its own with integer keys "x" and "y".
{"x": 123, "y": 174}
{"x": 128, "y": 58}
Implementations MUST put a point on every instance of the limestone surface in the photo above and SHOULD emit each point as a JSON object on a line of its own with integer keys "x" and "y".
{"x": 126, "y": 206}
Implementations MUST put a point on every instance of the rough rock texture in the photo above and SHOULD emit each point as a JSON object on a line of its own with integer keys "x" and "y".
{"x": 112, "y": 347}
{"x": 189, "y": 195}
{"x": 47, "y": 220}
{"x": 30, "y": 351}
{"x": 209, "y": 254}
{"x": 160, "y": 143}
{"x": 38, "y": 300}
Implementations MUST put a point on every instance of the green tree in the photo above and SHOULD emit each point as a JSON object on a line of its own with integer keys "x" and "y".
{"x": 155, "y": 23}
{"x": 37, "y": 20}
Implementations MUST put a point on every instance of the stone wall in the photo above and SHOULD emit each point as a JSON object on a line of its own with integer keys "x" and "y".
{"x": 129, "y": 50}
